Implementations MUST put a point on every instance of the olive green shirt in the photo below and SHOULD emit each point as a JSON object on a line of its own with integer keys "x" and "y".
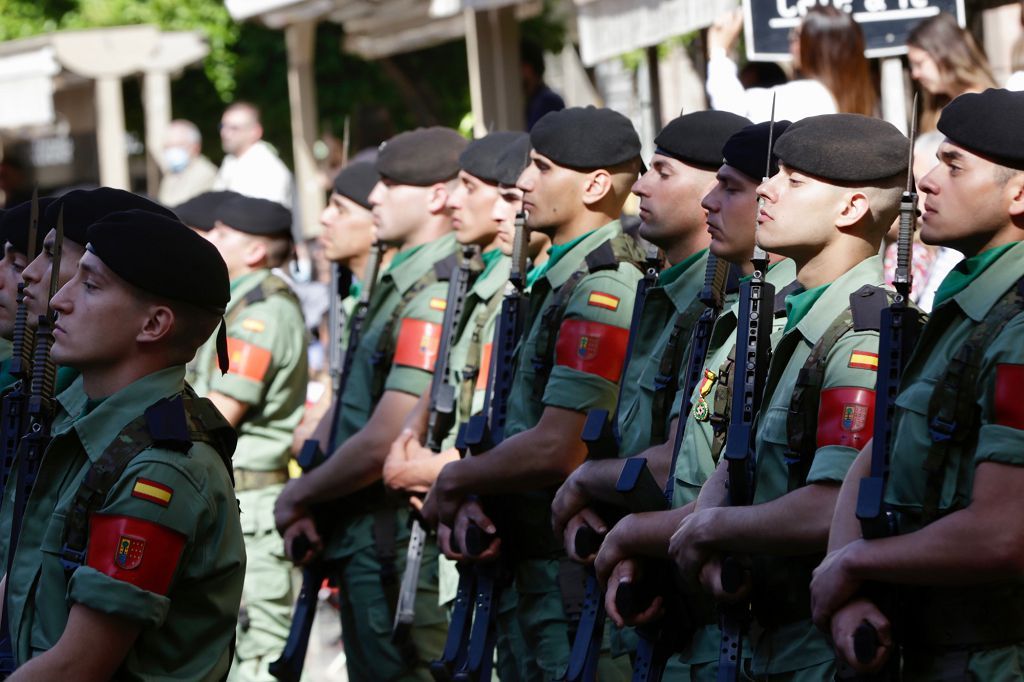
{"x": 5, "y": 360}
{"x": 198, "y": 611}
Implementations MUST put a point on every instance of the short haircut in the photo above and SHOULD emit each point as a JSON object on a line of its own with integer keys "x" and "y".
{"x": 189, "y": 128}
{"x": 279, "y": 250}
{"x": 242, "y": 105}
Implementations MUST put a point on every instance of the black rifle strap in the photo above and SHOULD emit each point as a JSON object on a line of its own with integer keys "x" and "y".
{"x": 272, "y": 285}
{"x": 953, "y": 410}
{"x": 666, "y": 384}
{"x": 720, "y": 411}
{"x": 474, "y": 356}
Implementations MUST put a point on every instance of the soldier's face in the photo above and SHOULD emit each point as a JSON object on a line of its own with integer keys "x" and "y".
{"x": 798, "y": 217}
{"x": 552, "y": 194}
{"x": 732, "y": 214}
{"x": 11, "y": 267}
{"x": 471, "y": 205}
{"x": 37, "y": 274}
{"x": 347, "y": 229}
{"x": 83, "y": 336}
{"x": 670, "y": 193}
{"x": 398, "y": 210}
{"x": 508, "y": 203}
{"x": 234, "y": 246}
{"x": 967, "y": 200}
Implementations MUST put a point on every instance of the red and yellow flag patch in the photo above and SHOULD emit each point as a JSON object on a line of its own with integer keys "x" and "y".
{"x": 418, "y": 341}
{"x": 438, "y": 304}
{"x": 145, "y": 489}
{"x": 861, "y": 359}
{"x": 592, "y": 347}
{"x": 602, "y": 300}
{"x": 1009, "y": 408}
{"x": 247, "y": 360}
{"x": 135, "y": 551}
{"x": 252, "y": 325}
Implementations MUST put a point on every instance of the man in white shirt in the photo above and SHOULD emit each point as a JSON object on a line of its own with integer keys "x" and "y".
{"x": 251, "y": 166}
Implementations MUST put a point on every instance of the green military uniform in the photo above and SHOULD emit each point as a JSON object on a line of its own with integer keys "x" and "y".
{"x": 575, "y": 366}
{"x": 169, "y": 578}
{"x": 703, "y": 437}
{"x": 786, "y": 643}
{"x": 397, "y": 353}
{"x": 966, "y": 632}
{"x": 6, "y": 379}
{"x": 268, "y": 372}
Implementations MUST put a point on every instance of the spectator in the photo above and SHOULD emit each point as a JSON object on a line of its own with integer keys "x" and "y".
{"x": 187, "y": 173}
{"x": 251, "y": 166}
{"x": 828, "y": 52}
{"x": 540, "y": 99}
{"x": 1016, "y": 79}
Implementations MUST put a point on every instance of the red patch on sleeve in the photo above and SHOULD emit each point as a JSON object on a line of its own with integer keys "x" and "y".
{"x": 135, "y": 551}
{"x": 846, "y": 416}
{"x": 1009, "y": 404}
{"x": 485, "y": 367}
{"x": 417, "y": 344}
{"x": 247, "y": 360}
{"x": 592, "y": 347}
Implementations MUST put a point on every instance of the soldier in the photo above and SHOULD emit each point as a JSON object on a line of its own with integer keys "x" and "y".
{"x": 582, "y": 165}
{"x": 200, "y": 212}
{"x": 262, "y": 395}
{"x": 394, "y": 360}
{"x": 955, "y": 470}
{"x": 116, "y": 574}
{"x": 834, "y": 198}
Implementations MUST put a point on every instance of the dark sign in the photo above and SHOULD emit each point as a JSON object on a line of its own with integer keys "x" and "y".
{"x": 886, "y": 23}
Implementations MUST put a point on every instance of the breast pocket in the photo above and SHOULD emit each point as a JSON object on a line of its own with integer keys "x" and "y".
{"x": 48, "y": 601}
{"x": 772, "y": 472}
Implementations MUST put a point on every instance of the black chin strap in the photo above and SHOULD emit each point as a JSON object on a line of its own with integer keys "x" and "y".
{"x": 223, "y": 361}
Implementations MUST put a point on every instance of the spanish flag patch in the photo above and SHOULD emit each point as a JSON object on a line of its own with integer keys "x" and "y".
{"x": 145, "y": 489}
{"x": 438, "y": 304}
{"x": 603, "y": 300}
{"x": 253, "y": 325}
{"x": 860, "y": 359}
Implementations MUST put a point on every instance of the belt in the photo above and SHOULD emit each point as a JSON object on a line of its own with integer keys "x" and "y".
{"x": 250, "y": 479}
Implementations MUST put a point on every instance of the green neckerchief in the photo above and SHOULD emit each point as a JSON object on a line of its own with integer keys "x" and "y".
{"x": 672, "y": 273}
{"x": 533, "y": 275}
{"x": 355, "y": 288}
{"x": 966, "y": 271}
{"x": 800, "y": 303}
{"x": 491, "y": 259}
{"x": 239, "y": 281}
{"x": 555, "y": 254}
{"x": 402, "y": 256}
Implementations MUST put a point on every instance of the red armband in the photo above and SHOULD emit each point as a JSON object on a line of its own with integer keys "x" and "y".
{"x": 247, "y": 360}
{"x": 135, "y": 551}
{"x": 418, "y": 342}
{"x": 485, "y": 367}
{"x": 592, "y": 347}
{"x": 1009, "y": 404}
{"x": 846, "y": 416}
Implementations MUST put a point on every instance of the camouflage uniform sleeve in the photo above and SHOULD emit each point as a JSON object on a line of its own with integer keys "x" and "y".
{"x": 170, "y": 520}
{"x": 847, "y": 408}
{"x": 416, "y": 338}
{"x": 591, "y": 345}
{"x": 1001, "y": 437}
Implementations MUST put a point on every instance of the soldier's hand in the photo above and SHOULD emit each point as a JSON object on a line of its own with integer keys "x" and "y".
{"x": 404, "y": 450}
{"x": 614, "y": 550}
{"x": 471, "y": 513}
{"x": 444, "y": 541}
{"x": 310, "y": 547}
{"x": 687, "y": 546}
{"x": 844, "y": 625}
{"x": 628, "y": 571}
{"x": 286, "y": 509}
{"x": 448, "y": 499}
{"x": 832, "y": 586}
{"x": 711, "y": 580}
{"x": 428, "y": 511}
{"x": 586, "y": 518}
{"x": 569, "y": 500}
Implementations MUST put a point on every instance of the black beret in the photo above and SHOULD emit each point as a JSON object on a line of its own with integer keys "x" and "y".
{"x": 152, "y": 252}
{"x": 513, "y": 161}
{"x": 256, "y": 216}
{"x": 202, "y": 211}
{"x": 698, "y": 138}
{"x": 747, "y": 150}
{"x": 585, "y": 138}
{"x": 14, "y": 226}
{"x": 988, "y": 124}
{"x": 356, "y": 181}
{"x": 83, "y": 207}
{"x": 480, "y": 159}
{"x": 844, "y": 147}
{"x": 422, "y": 156}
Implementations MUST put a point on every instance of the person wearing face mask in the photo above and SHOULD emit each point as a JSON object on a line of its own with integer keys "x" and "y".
{"x": 187, "y": 173}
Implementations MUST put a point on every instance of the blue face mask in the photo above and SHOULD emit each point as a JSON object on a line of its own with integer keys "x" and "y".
{"x": 176, "y": 159}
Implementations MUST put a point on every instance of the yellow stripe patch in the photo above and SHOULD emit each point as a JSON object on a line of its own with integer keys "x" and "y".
{"x": 253, "y": 325}
{"x": 152, "y": 491}
{"x": 603, "y": 300}
{"x": 438, "y": 304}
{"x": 860, "y": 359}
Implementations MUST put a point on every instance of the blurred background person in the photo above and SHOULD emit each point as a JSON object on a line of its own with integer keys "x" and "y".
{"x": 187, "y": 173}
{"x": 540, "y": 99}
{"x": 251, "y": 166}
{"x": 828, "y": 57}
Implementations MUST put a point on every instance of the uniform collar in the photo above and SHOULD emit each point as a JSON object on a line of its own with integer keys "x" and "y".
{"x": 494, "y": 276}
{"x": 419, "y": 261}
{"x": 566, "y": 260}
{"x": 836, "y": 297}
{"x": 97, "y": 429}
{"x": 682, "y": 279}
{"x": 240, "y": 286}
{"x": 986, "y": 284}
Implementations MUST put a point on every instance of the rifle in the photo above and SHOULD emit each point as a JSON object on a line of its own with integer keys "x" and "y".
{"x": 41, "y": 408}
{"x": 901, "y": 326}
{"x": 753, "y": 354}
{"x": 14, "y": 421}
{"x": 439, "y": 423}
{"x": 288, "y": 667}
{"x": 464, "y": 659}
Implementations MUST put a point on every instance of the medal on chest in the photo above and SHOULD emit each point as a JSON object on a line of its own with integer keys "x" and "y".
{"x": 701, "y": 411}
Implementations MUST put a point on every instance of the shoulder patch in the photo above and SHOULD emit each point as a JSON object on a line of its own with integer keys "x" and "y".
{"x": 247, "y": 360}
{"x": 135, "y": 551}
{"x": 418, "y": 342}
{"x": 145, "y": 489}
{"x": 485, "y": 367}
{"x": 603, "y": 300}
{"x": 252, "y": 325}
{"x": 862, "y": 359}
{"x": 846, "y": 416}
{"x": 1008, "y": 407}
{"x": 592, "y": 347}
{"x": 438, "y": 304}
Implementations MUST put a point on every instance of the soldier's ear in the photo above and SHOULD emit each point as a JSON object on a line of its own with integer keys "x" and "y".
{"x": 596, "y": 186}
{"x": 437, "y": 197}
{"x": 1015, "y": 190}
{"x": 855, "y": 207}
{"x": 157, "y": 325}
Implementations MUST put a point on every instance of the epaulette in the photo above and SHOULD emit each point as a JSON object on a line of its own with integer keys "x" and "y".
{"x": 866, "y": 306}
